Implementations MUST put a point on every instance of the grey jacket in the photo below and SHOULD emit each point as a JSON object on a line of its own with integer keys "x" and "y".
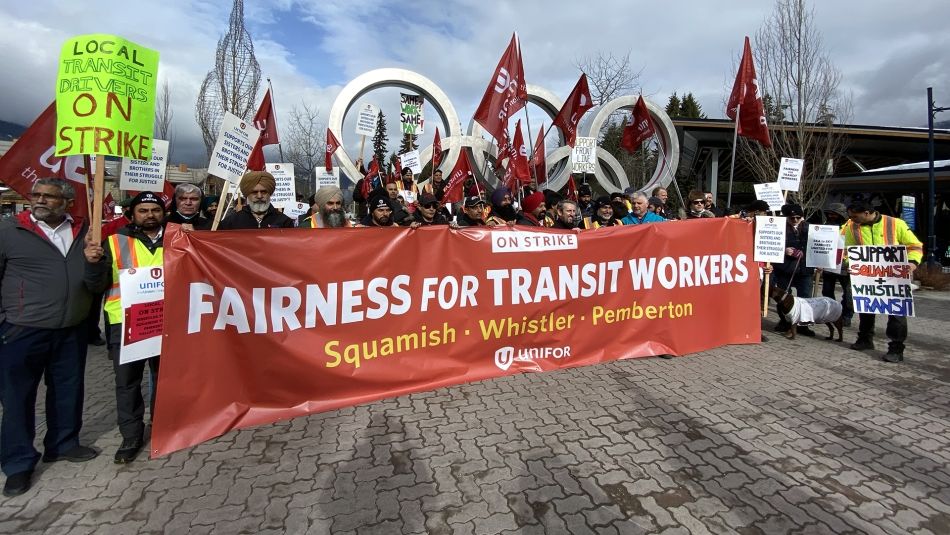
{"x": 38, "y": 286}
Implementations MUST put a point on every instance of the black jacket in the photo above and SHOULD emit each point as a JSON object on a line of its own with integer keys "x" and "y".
{"x": 198, "y": 221}
{"x": 437, "y": 219}
{"x": 244, "y": 219}
{"x": 798, "y": 241}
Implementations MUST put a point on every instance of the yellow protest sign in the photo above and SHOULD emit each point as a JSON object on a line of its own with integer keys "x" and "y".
{"x": 105, "y": 97}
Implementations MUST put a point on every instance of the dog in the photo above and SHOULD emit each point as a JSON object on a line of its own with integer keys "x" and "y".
{"x": 805, "y": 311}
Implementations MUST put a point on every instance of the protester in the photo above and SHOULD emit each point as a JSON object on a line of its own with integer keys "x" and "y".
{"x": 400, "y": 215}
{"x": 186, "y": 208}
{"x": 566, "y": 215}
{"x": 655, "y": 205}
{"x": 667, "y": 212}
{"x": 257, "y": 186}
{"x": 380, "y": 212}
{"x": 435, "y": 186}
{"x": 837, "y": 214}
{"x": 49, "y": 270}
{"x": 502, "y": 207}
{"x": 473, "y": 213}
{"x": 427, "y": 213}
{"x": 641, "y": 213}
{"x": 697, "y": 206}
{"x": 408, "y": 182}
{"x": 532, "y": 208}
{"x": 584, "y": 203}
{"x": 793, "y": 273}
{"x": 328, "y": 209}
{"x": 139, "y": 245}
{"x": 209, "y": 206}
{"x": 619, "y": 204}
{"x": 711, "y": 205}
{"x": 551, "y": 200}
{"x": 603, "y": 214}
{"x": 866, "y": 226}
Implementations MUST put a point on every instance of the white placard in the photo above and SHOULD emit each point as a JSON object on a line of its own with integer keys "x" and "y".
{"x": 143, "y": 306}
{"x": 769, "y": 239}
{"x": 411, "y": 160}
{"x": 327, "y": 178}
{"x": 584, "y": 155}
{"x": 881, "y": 280}
{"x": 236, "y": 140}
{"x": 366, "y": 120}
{"x": 822, "y": 249}
{"x": 790, "y": 173}
{"x": 286, "y": 189}
{"x": 145, "y": 176}
{"x": 408, "y": 196}
{"x": 295, "y": 209}
{"x": 771, "y": 193}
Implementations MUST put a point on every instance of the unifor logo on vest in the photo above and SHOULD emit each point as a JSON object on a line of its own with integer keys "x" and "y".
{"x": 506, "y": 356}
{"x": 156, "y": 273}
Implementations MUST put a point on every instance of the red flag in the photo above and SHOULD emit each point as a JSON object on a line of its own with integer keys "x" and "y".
{"x": 576, "y": 105}
{"x": 506, "y": 94}
{"x": 538, "y": 162}
{"x": 397, "y": 172}
{"x": 517, "y": 172}
{"x": 168, "y": 194}
{"x": 371, "y": 175}
{"x": 571, "y": 189}
{"x": 746, "y": 103}
{"x": 456, "y": 181}
{"x": 332, "y": 145}
{"x": 255, "y": 161}
{"x": 436, "y": 150}
{"x": 33, "y": 156}
{"x": 108, "y": 208}
{"x": 266, "y": 122}
{"x": 640, "y": 128}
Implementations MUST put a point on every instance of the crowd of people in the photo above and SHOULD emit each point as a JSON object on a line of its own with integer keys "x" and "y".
{"x": 57, "y": 280}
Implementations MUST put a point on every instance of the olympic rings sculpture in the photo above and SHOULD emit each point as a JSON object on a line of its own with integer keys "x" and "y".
{"x": 609, "y": 173}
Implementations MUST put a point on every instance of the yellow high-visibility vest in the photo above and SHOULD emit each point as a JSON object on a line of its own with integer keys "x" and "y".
{"x": 127, "y": 252}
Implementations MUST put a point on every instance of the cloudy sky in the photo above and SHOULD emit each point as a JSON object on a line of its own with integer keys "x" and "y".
{"x": 887, "y": 54}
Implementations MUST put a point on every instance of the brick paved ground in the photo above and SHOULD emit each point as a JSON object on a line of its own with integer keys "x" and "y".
{"x": 799, "y": 436}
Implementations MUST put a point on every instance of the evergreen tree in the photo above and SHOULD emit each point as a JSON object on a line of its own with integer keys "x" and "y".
{"x": 407, "y": 143}
{"x": 673, "y": 106}
{"x": 379, "y": 140}
{"x": 690, "y": 109}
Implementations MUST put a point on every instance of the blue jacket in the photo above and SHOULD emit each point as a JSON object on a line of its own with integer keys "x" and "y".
{"x": 649, "y": 217}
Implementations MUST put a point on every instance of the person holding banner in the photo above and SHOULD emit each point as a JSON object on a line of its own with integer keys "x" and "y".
{"x": 138, "y": 245}
{"x": 640, "y": 211}
{"x": 186, "y": 208}
{"x": 399, "y": 215}
{"x": 866, "y": 226}
{"x": 473, "y": 213}
{"x": 792, "y": 273}
{"x": 380, "y": 212}
{"x": 603, "y": 214}
{"x": 697, "y": 206}
{"x": 427, "y": 213}
{"x": 328, "y": 209}
{"x": 257, "y": 186}
{"x": 532, "y": 208}
{"x": 49, "y": 271}
{"x": 566, "y": 215}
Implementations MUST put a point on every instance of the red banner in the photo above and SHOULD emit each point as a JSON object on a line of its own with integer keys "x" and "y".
{"x": 303, "y": 322}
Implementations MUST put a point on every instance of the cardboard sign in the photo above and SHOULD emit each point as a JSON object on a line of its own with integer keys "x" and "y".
{"x": 584, "y": 155}
{"x": 286, "y": 190}
{"x": 105, "y": 97}
{"x": 909, "y": 211}
{"x": 771, "y": 193}
{"x": 327, "y": 178}
{"x": 366, "y": 120}
{"x": 140, "y": 175}
{"x": 881, "y": 280}
{"x": 236, "y": 140}
{"x": 143, "y": 302}
{"x": 411, "y": 160}
{"x": 769, "y": 239}
{"x": 790, "y": 173}
{"x": 822, "y": 249}
{"x": 410, "y": 113}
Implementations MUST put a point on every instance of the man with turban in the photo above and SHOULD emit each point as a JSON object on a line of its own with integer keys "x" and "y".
{"x": 327, "y": 209}
{"x": 257, "y": 187}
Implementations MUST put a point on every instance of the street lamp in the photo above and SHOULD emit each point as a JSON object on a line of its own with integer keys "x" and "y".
{"x": 931, "y": 217}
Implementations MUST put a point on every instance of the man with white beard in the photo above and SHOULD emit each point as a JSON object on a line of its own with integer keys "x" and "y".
{"x": 328, "y": 203}
{"x": 257, "y": 187}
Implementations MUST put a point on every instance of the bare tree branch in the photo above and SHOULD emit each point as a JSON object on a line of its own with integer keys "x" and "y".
{"x": 609, "y": 76}
{"x": 163, "y": 117}
{"x": 305, "y": 141}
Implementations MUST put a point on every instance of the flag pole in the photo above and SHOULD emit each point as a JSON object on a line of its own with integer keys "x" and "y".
{"x": 225, "y": 191}
{"x": 732, "y": 163}
{"x": 273, "y": 106}
{"x": 672, "y": 176}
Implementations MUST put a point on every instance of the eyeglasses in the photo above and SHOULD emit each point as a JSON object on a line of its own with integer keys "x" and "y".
{"x": 700, "y": 201}
{"x": 46, "y": 197}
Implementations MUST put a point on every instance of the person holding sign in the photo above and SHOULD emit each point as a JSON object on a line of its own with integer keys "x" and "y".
{"x": 49, "y": 271}
{"x": 328, "y": 209}
{"x": 257, "y": 186}
{"x": 866, "y": 226}
{"x": 138, "y": 245}
{"x": 792, "y": 273}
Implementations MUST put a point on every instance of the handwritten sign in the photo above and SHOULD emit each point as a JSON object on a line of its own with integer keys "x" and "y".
{"x": 769, "y": 239}
{"x": 105, "y": 97}
{"x": 584, "y": 155}
{"x": 236, "y": 140}
{"x": 881, "y": 280}
{"x": 410, "y": 113}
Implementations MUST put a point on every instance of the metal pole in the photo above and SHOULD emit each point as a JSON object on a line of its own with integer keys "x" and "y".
{"x": 732, "y": 164}
{"x": 931, "y": 222}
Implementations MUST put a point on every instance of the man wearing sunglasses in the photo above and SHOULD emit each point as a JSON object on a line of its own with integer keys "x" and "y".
{"x": 427, "y": 212}
{"x": 792, "y": 273}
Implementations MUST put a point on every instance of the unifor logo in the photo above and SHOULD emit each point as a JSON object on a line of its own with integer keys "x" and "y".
{"x": 156, "y": 273}
{"x": 504, "y": 356}
{"x": 501, "y": 83}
